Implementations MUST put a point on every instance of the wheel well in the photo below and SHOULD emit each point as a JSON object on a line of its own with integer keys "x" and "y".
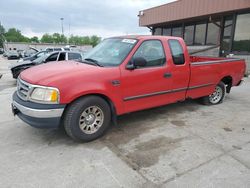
{"x": 108, "y": 100}
{"x": 228, "y": 81}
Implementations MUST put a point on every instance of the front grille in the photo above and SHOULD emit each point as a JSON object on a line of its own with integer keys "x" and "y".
{"x": 23, "y": 89}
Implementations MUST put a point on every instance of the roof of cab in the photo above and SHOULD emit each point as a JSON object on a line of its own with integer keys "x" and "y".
{"x": 146, "y": 37}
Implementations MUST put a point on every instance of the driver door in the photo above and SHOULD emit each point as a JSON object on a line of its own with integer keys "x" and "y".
{"x": 148, "y": 86}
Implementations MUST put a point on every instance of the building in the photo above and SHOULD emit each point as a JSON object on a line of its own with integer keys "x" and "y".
{"x": 223, "y": 26}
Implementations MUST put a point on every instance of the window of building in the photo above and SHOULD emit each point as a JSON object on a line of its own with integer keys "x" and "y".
{"x": 189, "y": 34}
{"x": 227, "y": 34}
{"x": 177, "y": 52}
{"x": 74, "y": 56}
{"x": 177, "y": 31}
{"x": 152, "y": 51}
{"x": 200, "y": 34}
{"x": 228, "y": 26}
{"x": 213, "y": 34}
{"x": 158, "y": 31}
{"x": 241, "y": 41}
{"x": 166, "y": 31}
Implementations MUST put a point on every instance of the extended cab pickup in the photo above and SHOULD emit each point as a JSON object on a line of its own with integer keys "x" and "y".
{"x": 120, "y": 75}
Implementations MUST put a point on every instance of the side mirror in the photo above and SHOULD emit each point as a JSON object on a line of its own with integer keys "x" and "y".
{"x": 136, "y": 62}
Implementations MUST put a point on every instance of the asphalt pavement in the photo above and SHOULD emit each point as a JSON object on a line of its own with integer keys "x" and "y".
{"x": 178, "y": 145}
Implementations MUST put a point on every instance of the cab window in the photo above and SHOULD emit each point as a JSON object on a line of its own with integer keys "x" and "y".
{"x": 177, "y": 52}
{"x": 152, "y": 51}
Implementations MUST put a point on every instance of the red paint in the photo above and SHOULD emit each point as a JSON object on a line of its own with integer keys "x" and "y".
{"x": 75, "y": 79}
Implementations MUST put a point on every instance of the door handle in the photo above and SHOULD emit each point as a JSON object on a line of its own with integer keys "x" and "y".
{"x": 167, "y": 75}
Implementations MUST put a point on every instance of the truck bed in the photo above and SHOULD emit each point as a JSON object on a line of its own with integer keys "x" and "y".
{"x": 206, "y": 72}
{"x": 211, "y": 60}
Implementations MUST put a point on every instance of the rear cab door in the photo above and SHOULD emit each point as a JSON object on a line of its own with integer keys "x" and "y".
{"x": 179, "y": 66}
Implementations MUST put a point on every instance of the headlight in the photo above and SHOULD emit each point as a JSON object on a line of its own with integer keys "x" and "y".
{"x": 47, "y": 95}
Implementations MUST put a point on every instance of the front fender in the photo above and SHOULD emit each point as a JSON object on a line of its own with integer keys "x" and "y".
{"x": 106, "y": 90}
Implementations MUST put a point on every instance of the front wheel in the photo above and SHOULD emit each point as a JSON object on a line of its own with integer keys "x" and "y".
{"x": 216, "y": 97}
{"x": 87, "y": 118}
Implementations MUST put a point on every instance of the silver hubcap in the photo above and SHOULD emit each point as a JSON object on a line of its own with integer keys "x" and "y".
{"x": 91, "y": 120}
{"x": 216, "y": 96}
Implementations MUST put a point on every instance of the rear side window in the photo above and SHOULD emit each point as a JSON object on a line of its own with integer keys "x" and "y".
{"x": 72, "y": 56}
{"x": 177, "y": 52}
{"x": 61, "y": 56}
{"x": 57, "y": 49}
{"x": 152, "y": 51}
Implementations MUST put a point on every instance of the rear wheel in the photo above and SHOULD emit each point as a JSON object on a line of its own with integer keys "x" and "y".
{"x": 216, "y": 97}
{"x": 87, "y": 118}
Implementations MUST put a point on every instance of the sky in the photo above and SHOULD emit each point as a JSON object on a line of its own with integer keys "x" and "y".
{"x": 104, "y": 18}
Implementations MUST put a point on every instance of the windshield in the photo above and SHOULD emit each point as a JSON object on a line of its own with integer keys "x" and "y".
{"x": 111, "y": 52}
{"x": 40, "y": 59}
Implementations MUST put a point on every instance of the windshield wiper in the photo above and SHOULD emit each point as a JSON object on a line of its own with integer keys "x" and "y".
{"x": 89, "y": 62}
{"x": 93, "y": 61}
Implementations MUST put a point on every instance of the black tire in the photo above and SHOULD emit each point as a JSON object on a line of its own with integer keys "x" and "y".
{"x": 74, "y": 112}
{"x": 207, "y": 100}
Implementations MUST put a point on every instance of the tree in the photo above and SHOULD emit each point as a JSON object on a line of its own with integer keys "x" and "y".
{"x": 77, "y": 40}
{"x": 84, "y": 40}
{"x": 2, "y": 32}
{"x": 14, "y": 35}
{"x": 47, "y": 38}
{"x": 34, "y": 39}
{"x": 58, "y": 38}
{"x": 54, "y": 38}
{"x": 94, "y": 40}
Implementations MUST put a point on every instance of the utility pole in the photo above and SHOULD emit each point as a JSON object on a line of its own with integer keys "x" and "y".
{"x": 62, "y": 24}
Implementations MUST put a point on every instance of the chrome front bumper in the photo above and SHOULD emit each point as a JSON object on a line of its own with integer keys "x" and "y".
{"x": 38, "y": 113}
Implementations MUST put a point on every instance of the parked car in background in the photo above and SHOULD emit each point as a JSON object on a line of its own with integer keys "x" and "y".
{"x": 20, "y": 52}
{"x": 34, "y": 56}
{"x": 57, "y": 49}
{"x": 119, "y": 76}
{"x": 5, "y": 54}
{"x": 1, "y": 51}
{"x": 29, "y": 52}
{"x": 18, "y": 67}
{"x": 13, "y": 54}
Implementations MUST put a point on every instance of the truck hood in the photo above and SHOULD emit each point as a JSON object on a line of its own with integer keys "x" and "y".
{"x": 49, "y": 73}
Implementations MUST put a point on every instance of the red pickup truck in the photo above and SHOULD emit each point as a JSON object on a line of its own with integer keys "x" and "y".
{"x": 120, "y": 75}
